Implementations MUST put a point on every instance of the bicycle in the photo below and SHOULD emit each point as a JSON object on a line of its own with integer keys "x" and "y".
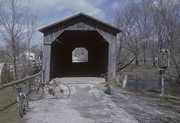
{"x": 57, "y": 90}
{"x": 21, "y": 100}
{"x": 105, "y": 76}
{"x": 107, "y": 85}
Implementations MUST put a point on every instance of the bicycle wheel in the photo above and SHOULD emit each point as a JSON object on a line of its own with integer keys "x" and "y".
{"x": 21, "y": 110}
{"x": 62, "y": 91}
{"x": 36, "y": 93}
{"x": 26, "y": 105}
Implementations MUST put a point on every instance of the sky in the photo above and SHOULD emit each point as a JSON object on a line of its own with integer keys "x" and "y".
{"x": 51, "y": 11}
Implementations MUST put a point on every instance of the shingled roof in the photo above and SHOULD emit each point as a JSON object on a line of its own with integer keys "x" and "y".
{"x": 43, "y": 29}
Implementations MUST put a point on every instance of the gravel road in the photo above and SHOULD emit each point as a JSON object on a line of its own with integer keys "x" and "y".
{"x": 89, "y": 104}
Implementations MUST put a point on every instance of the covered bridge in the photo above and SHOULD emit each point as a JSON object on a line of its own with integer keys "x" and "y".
{"x": 79, "y": 31}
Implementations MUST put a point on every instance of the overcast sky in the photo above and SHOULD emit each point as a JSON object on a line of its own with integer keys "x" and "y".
{"x": 50, "y": 11}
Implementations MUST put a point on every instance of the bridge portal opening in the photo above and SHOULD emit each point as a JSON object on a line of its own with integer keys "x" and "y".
{"x": 80, "y": 55}
{"x": 83, "y": 43}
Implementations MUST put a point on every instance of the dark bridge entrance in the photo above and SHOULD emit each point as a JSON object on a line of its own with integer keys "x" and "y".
{"x": 63, "y": 46}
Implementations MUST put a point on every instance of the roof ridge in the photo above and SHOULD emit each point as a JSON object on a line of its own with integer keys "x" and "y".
{"x": 76, "y": 15}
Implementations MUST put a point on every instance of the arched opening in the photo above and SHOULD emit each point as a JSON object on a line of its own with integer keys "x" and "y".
{"x": 79, "y": 55}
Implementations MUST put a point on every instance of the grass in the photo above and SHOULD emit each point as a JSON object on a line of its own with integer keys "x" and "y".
{"x": 10, "y": 114}
{"x": 8, "y": 96}
{"x": 167, "y": 101}
{"x": 145, "y": 73}
{"x": 141, "y": 72}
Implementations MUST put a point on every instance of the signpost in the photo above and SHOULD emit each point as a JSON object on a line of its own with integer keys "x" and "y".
{"x": 163, "y": 64}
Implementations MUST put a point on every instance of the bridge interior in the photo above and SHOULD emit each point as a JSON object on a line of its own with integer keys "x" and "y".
{"x": 61, "y": 54}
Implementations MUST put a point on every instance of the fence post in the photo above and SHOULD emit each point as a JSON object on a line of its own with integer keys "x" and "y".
{"x": 125, "y": 81}
{"x": 162, "y": 82}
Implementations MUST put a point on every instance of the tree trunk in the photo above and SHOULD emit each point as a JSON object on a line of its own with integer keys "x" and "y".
{"x": 136, "y": 60}
{"x": 154, "y": 61}
{"x": 144, "y": 54}
{"x": 15, "y": 70}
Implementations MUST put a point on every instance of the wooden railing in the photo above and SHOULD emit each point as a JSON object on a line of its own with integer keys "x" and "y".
{"x": 19, "y": 81}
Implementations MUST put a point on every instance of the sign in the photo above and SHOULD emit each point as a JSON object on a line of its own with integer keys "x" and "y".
{"x": 163, "y": 59}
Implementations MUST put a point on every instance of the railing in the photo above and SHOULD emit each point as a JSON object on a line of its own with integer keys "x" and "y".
{"x": 8, "y": 96}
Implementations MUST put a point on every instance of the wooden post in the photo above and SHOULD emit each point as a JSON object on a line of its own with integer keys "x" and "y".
{"x": 162, "y": 81}
{"x": 125, "y": 81}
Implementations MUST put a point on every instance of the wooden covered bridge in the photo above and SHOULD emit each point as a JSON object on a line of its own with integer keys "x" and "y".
{"x": 79, "y": 31}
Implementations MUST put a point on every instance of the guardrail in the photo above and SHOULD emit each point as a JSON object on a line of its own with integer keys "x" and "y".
{"x": 6, "y": 101}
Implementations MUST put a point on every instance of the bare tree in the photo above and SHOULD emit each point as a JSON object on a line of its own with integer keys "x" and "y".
{"x": 135, "y": 22}
{"x": 153, "y": 51}
{"x": 148, "y": 27}
{"x": 16, "y": 27}
{"x": 170, "y": 14}
{"x": 123, "y": 18}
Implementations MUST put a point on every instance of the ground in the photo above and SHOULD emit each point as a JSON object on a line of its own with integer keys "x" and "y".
{"x": 89, "y": 104}
{"x": 141, "y": 72}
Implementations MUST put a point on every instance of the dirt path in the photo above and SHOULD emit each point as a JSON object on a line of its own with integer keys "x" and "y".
{"x": 144, "y": 109}
{"x": 89, "y": 104}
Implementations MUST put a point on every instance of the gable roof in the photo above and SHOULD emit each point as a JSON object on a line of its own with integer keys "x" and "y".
{"x": 43, "y": 29}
